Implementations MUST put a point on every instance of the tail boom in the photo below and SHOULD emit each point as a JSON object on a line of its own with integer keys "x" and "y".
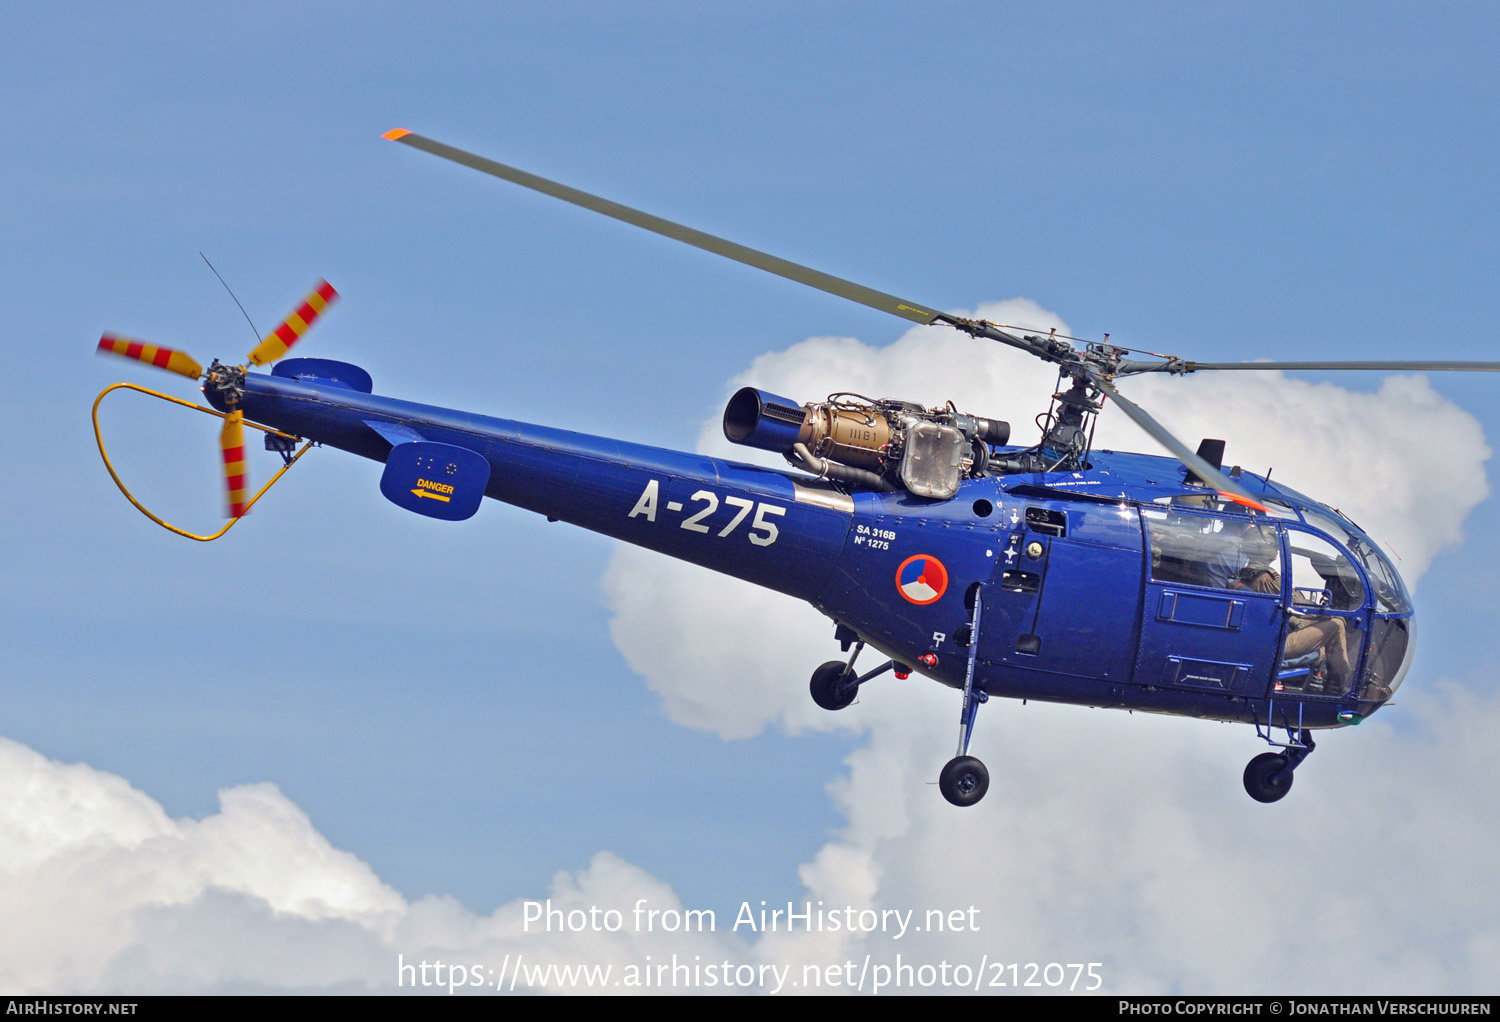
{"x": 764, "y": 526}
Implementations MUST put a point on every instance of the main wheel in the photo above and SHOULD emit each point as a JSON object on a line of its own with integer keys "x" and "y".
{"x": 828, "y": 686}
{"x": 964, "y": 781}
{"x": 1264, "y": 779}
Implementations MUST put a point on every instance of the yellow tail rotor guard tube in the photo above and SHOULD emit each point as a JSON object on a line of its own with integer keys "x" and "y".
{"x": 99, "y": 439}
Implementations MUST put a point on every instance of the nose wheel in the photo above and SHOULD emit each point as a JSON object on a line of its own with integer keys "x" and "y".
{"x": 835, "y": 685}
{"x": 1268, "y": 777}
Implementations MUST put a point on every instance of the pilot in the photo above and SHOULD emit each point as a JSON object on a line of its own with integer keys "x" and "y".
{"x": 1304, "y": 634}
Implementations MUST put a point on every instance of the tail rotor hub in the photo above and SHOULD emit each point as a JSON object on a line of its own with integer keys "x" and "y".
{"x": 227, "y": 383}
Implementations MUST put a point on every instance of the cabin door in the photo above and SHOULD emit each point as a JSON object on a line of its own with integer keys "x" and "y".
{"x": 1206, "y": 625}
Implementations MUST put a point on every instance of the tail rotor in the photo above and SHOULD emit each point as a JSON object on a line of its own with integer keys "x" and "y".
{"x": 228, "y": 380}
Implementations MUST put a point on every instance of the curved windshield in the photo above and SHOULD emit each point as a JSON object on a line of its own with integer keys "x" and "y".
{"x": 1393, "y": 641}
{"x": 1300, "y": 500}
{"x": 1330, "y": 586}
{"x": 1391, "y": 596}
{"x": 1390, "y": 592}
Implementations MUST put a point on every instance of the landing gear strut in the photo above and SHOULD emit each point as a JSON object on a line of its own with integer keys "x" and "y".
{"x": 1268, "y": 777}
{"x": 964, "y": 779}
{"x": 834, "y": 685}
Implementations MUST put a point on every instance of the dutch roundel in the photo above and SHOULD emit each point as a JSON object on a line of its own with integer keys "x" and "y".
{"x": 921, "y": 579}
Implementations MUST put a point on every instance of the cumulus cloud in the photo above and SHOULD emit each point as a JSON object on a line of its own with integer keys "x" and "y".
{"x": 89, "y": 863}
{"x": 102, "y": 891}
{"x": 1347, "y": 448}
{"x": 1106, "y": 839}
{"x": 1350, "y": 449}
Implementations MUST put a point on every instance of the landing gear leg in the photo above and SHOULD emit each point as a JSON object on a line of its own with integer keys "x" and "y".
{"x": 964, "y": 779}
{"x": 1268, "y": 777}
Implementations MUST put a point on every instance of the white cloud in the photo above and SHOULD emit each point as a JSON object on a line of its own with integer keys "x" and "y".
{"x": 1352, "y": 450}
{"x": 1111, "y": 839}
{"x": 102, "y": 892}
{"x": 1349, "y": 449}
{"x": 86, "y": 860}
{"x": 926, "y": 364}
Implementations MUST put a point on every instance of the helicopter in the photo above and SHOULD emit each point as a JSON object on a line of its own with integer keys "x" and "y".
{"x": 1056, "y": 572}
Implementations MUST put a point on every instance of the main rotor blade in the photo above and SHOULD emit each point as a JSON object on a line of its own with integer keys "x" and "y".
{"x": 1210, "y": 475}
{"x": 1185, "y": 366}
{"x": 699, "y": 239}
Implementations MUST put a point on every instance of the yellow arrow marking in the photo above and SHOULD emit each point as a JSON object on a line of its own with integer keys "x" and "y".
{"x": 431, "y": 496}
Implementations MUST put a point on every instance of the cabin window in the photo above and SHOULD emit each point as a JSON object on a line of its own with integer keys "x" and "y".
{"x": 1389, "y": 658}
{"x": 1221, "y": 553}
{"x": 1322, "y": 575}
{"x": 1389, "y": 591}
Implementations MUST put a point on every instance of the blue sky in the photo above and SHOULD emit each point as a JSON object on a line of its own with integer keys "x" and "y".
{"x": 450, "y": 704}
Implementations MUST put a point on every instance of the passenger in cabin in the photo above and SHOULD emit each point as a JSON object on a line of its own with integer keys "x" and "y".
{"x": 1198, "y": 551}
{"x": 1222, "y": 555}
{"x": 1262, "y": 549}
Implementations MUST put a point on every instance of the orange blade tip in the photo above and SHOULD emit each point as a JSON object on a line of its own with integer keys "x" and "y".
{"x": 396, "y": 133}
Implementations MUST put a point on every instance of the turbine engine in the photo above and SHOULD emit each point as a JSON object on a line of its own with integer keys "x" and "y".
{"x": 885, "y": 444}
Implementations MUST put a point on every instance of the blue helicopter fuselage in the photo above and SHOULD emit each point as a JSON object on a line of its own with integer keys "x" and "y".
{"x": 1097, "y": 587}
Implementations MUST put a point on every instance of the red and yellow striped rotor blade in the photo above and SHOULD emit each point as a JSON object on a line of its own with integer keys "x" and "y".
{"x": 283, "y": 337}
{"x": 164, "y": 358}
{"x": 232, "y": 440}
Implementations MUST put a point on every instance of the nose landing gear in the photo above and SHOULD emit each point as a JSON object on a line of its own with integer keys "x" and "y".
{"x": 1268, "y": 777}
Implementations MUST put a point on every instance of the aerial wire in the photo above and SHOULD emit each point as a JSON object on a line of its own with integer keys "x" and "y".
{"x": 236, "y": 300}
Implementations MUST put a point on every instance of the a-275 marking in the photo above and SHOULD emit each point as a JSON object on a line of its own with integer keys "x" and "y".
{"x": 651, "y": 496}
